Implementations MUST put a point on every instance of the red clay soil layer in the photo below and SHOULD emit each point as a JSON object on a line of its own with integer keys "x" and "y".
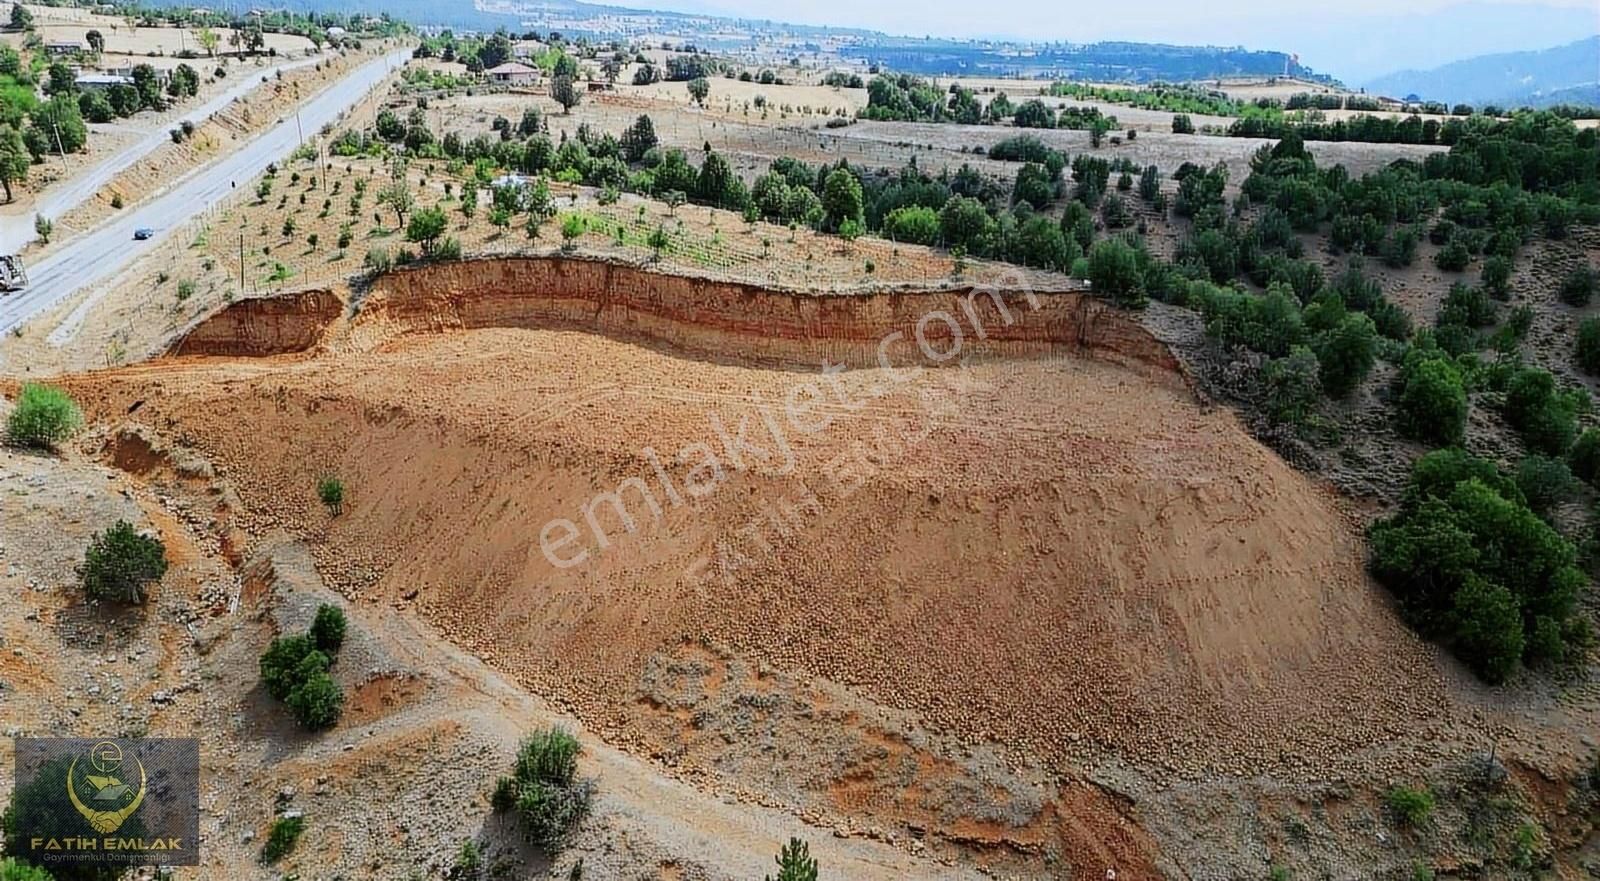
{"x": 701, "y": 317}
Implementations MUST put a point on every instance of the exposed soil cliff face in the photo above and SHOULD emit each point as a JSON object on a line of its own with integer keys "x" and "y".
{"x": 714, "y": 320}
{"x": 264, "y": 326}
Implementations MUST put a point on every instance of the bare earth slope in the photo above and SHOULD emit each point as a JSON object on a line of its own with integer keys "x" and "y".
{"x": 1044, "y": 550}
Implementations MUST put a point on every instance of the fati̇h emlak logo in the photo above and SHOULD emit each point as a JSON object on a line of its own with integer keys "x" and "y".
{"x": 113, "y": 801}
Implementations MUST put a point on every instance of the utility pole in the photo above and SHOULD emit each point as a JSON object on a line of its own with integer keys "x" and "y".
{"x": 59, "y": 149}
{"x": 241, "y": 264}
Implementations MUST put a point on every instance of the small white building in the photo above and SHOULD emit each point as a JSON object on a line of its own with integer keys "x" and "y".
{"x": 94, "y": 82}
{"x": 66, "y": 47}
{"x": 513, "y": 74}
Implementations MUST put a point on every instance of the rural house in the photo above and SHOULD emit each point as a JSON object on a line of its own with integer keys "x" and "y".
{"x": 513, "y": 74}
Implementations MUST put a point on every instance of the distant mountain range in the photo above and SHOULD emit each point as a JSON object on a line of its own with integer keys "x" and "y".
{"x": 1564, "y": 74}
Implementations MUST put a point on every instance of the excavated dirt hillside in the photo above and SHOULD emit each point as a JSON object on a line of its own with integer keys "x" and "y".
{"x": 583, "y": 472}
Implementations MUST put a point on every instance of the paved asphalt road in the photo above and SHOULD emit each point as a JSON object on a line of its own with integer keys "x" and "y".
{"x": 17, "y": 230}
{"x": 98, "y": 254}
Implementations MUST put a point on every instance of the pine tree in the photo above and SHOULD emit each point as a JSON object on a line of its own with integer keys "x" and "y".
{"x": 795, "y": 862}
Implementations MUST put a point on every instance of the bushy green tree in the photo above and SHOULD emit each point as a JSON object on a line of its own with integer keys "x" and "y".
{"x": 56, "y": 125}
{"x": 1584, "y": 457}
{"x": 327, "y": 629}
{"x": 1270, "y": 323}
{"x": 1453, "y": 257}
{"x": 841, "y": 197}
{"x": 1432, "y": 400}
{"x": 1034, "y": 185}
{"x": 1473, "y": 566}
{"x": 1039, "y": 242}
{"x": 281, "y": 661}
{"x": 14, "y": 158}
{"x": 717, "y": 183}
{"x": 1578, "y": 287}
{"x": 639, "y": 139}
{"x": 565, "y": 92}
{"x": 425, "y": 227}
{"x": 913, "y": 224}
{"x": 699, "y": 89}
{"x": 965, "y": 223}
{"x": 1346, "y": 353}
{"x": 1114, "y": 271}
{"x": 294, "y": 670}
{"x": 1544, "y": 482}
{"x": 316, "y": 700}
{"x": 1292, "y": 387}
{"x": 1545, "y": 416}
{"x": 120, "y": 563}
{"x": 1496, "y": 276}
{"x": 1588, "y": 350}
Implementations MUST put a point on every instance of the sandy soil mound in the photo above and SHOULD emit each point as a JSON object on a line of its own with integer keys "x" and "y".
{"x": 1053, "y": 552}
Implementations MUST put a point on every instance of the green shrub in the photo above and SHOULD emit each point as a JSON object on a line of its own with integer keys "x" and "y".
{"x": 915, "y": 224}
{"x": 795, "y": 862}
{"x": 1546, "y": 417}
{"x": 544, "y": 788}
{"x": 327, "y": 629}
{"x": 282, "y": 837}
{"x": 1437, "y": 473}
{"x": 295, "y": 671}
{"x": 1577, "y": 289}
{"x": 1544, "y": 482}
{"x": 43, "y": 417}
{"x": 1270, "y": 323}
{"x": 11, "y": 870}
{"x": 1466, "y": 306}
{"x": 1410, "y": 806}
{"x": 1346, "y": 354}
{"x": 1114, "y": 271}
{"x": 1584, "y": 457}
{"x": 316, "y": 700}
{"x": 330, "y": 491}
{"x": 1588, "y": 351}
{"x": 1453, "y": 257}
{"x": 120, "y": 562}
{"x": 1473, "y": 566}
{"x": 281, "y": 663}
{"x": 1432, "y": 403}
{"x": 1496, "y": 276}
{"x": 469, "y": 862}
{"x": 378, "y": 260}
{"x": 1292, "y": 387}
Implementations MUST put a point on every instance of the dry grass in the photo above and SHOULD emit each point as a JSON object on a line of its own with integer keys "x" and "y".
{"x": 63, "y": 24}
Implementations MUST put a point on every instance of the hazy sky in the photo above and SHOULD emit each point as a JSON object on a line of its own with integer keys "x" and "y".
{"x": 1170, "y": 20}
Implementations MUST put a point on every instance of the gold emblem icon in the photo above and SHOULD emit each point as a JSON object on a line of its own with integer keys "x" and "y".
{"x": 107, "y": 810}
